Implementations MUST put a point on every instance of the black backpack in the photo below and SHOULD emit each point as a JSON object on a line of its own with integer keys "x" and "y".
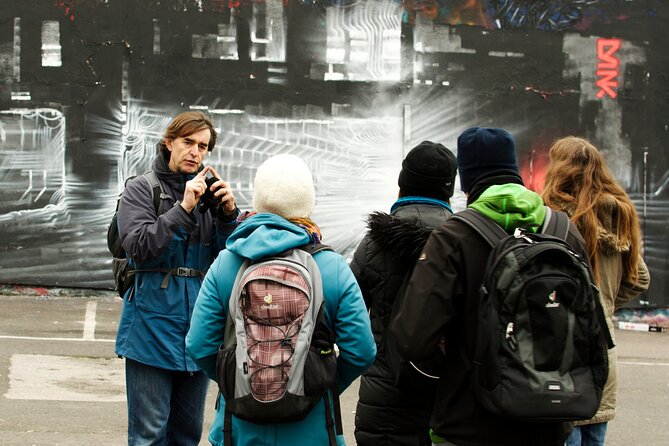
{"x": 541, "y": 346}
{"x": 123, "y": 275}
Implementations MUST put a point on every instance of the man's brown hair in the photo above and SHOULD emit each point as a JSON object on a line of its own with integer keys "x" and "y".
{"x": 187, "y": 123}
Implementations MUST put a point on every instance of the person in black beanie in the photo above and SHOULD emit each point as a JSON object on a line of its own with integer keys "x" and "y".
{"x": 391, "y": 412}
{"x": 440, "y": 310}
{"x": 428, "y": 170}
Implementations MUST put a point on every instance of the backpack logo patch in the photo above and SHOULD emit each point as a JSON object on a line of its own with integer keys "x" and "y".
{"x": 552, "y": 297}
{"x": 268, "y": 301}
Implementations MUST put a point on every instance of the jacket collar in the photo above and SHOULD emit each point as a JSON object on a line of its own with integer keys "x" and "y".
{"x": 405, "y": 201}
{"x": 491, "y": 179}
{"x": 175, "y": 180}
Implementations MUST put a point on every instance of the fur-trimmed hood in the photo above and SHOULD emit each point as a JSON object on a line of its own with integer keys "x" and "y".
{"x": 607, "y": 234}
{"x": 403, "y": 233}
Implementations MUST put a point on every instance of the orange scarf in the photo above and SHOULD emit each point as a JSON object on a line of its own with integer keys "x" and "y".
{"x": 310, "y": 227}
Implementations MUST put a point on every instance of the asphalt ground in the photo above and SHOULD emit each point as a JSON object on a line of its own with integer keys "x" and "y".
{"x": 61, "y": 384}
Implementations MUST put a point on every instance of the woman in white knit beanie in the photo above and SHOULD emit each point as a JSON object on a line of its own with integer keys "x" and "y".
{"x": 283, "y": 199}
{"x": 284, "y": 186}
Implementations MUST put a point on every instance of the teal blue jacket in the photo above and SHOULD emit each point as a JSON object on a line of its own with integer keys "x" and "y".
{"x": 260, "y": 236}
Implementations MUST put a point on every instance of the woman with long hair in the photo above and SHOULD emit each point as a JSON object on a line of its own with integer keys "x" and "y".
{"x": 579, "y": 183}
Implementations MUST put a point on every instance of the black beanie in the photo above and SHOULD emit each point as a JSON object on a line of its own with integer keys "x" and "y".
{"x": 484, "y": 150}
{"x": 428, "y": 170}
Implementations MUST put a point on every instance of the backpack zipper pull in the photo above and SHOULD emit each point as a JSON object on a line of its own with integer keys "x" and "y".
{"x": 511, "y": 339}
{"x": 520, "y": 233}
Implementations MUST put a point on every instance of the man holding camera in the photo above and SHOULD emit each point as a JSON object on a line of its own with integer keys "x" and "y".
{"x": 171, "y": 251}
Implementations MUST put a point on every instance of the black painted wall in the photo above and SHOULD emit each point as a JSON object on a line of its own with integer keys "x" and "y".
{"x": 350, "y": 86}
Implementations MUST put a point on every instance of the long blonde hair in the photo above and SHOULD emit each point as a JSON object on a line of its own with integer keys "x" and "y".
{"x": 578, "y": 180}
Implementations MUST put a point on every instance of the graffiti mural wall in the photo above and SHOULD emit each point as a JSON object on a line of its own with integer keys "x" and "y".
{"x": 88, "y": 86}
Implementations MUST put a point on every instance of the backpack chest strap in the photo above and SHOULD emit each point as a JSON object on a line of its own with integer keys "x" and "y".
{"x": 180, "y": 271}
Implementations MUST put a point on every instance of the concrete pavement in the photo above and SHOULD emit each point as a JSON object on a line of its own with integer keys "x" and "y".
{"x": 60, "y": 381}
{"x": 61, "y": 384}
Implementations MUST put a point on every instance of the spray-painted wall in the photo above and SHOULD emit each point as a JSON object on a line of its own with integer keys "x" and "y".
{"x": 88, "y": 86}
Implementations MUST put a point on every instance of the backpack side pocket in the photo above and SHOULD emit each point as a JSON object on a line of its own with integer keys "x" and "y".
{"x": 226, "y": 365}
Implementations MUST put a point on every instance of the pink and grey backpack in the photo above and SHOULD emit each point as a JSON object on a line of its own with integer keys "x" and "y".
{"x": 278, "y": 359}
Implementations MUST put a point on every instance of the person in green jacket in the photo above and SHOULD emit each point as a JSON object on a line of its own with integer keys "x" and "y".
{"x": 444, "y": 290}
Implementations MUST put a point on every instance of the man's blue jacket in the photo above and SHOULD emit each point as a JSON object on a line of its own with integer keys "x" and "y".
{"x": 157, "y": 310}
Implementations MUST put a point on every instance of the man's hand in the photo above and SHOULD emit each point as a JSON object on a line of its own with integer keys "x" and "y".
{"x": 195, "y": 188}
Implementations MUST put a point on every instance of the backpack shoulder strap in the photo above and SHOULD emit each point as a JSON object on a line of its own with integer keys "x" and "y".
{"x": 156, "y": 187}
{"x": 488, "y": 229}
{"x": 556, "y": 223}
{"x": 334, "y": 427}
{"x": 313, "y": 248}
{"x": 229, "y": 333}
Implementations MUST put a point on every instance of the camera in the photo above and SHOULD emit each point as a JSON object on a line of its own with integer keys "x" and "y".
{"x": 207, "y": 200}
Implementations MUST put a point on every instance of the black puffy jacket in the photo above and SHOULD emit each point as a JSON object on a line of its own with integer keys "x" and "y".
{"x": 388, "y": 415}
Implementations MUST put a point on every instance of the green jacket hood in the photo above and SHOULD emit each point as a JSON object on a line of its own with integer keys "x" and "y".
{"x": 511, "y": 206}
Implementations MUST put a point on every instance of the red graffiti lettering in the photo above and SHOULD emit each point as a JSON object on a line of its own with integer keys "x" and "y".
{"x": 607, "y": 67}
{"x": 606, "y": 49}
{"x": 607, "y": 82}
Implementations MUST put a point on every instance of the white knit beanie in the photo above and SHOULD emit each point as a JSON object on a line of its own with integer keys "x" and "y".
{"x": 284, "y": 186}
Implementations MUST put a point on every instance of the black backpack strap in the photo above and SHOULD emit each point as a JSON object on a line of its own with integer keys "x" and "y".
{"x": 159, "y": 195}
{"x": 488, "y": 229}
{"x": 334, "y": 427}
{"x": 227, "y": 426}
{"x": 157, "y": 188}
{"x": 313, "y": 248}
{"x": 331, "y": 425}
{"x": 556, "y": 223}
{"x": 180, "y": 271}
{"x": 339, "y": 428}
